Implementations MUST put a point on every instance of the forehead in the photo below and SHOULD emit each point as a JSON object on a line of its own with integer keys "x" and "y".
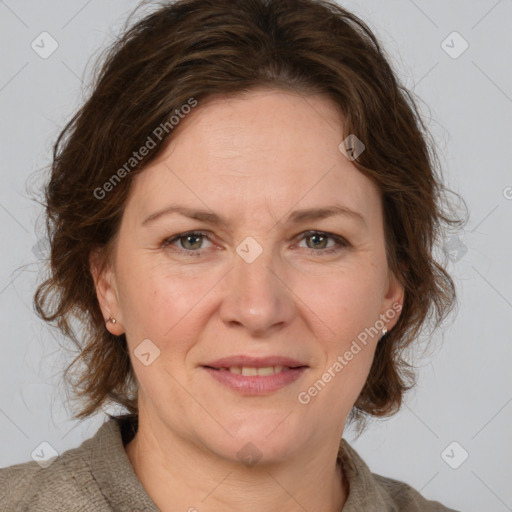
{"x": 264, "y": 150}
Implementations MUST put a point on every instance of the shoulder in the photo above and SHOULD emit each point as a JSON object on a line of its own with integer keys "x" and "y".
{"x": 64, "y": 484}
{"x": 15, "y": 481}
{"x": 29, "y": 486}
{"x": 376, "y": 493}
{"x": 405, "y": 498}
{"x": 95, "y": 476}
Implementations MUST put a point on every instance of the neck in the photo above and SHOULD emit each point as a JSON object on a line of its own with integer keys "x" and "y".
{"x": 180, "y": 475}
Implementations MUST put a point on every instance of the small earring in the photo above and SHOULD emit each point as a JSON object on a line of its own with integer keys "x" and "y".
{"x": 110, "y": 319}
{"x": 384, "y": 332}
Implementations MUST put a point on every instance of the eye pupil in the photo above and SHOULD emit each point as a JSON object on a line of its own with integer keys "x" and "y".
{"x": 317, "y": 236}
{"x": 187, "y": 240}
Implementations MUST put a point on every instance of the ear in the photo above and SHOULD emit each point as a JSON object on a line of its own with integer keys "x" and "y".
{"x": 393, "y": 300}
{"x": 106, "y": 290}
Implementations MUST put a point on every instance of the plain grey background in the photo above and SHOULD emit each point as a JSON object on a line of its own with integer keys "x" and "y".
{"x": 451, "y": 440}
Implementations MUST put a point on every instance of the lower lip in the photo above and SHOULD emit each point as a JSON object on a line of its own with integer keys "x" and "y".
{"x": 258, "y": 384}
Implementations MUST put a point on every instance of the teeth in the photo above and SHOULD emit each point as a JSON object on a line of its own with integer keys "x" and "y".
{"x": 248, "y": 371}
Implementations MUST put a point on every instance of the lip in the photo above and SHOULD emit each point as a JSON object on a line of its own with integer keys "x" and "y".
{"x": 254, "y": 362}
{"x": 259, "y": 384}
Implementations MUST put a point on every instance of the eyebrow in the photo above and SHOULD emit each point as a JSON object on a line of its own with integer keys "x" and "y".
{"x": 296, "y": 217}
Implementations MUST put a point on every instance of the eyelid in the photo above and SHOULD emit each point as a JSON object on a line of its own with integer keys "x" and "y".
{"x": 341, "y": 242}
{"x": 170, "y": 240}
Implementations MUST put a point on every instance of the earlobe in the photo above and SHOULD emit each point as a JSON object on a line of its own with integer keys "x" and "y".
{"x": 393, "y": 301}
{"x": 106, "y": 291}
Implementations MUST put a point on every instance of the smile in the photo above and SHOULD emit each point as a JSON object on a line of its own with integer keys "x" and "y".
{"x": 251, "y": 381}
{"x": 249, "y": 371}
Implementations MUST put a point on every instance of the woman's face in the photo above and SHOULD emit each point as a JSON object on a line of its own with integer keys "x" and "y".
{"x": 254, "y": 284}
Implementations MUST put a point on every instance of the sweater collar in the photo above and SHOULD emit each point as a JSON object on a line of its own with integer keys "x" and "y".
{"x": 113, "y": 471}
{"x": 364, "y": 493}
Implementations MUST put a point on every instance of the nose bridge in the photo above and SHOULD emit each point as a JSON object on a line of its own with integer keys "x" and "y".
{"x": 257, "y": 297}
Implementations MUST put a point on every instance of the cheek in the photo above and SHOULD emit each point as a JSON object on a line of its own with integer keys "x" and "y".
{"x": 347, "y": 302}
{"x": 161, "y": 304}
{"x": 161, "y": 309}
{"x": 348, "y": 306}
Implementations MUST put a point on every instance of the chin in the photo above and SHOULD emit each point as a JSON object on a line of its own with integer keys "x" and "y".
{"x": 260, "y": 438}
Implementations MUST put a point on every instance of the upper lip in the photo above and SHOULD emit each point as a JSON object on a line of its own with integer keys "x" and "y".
{"x": 254, "y": 362}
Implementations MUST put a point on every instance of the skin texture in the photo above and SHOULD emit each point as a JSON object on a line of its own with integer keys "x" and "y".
{"x": 253, "y": 159}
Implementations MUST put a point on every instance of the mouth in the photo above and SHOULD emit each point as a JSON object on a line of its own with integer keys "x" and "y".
{"x": 255, "y": 376}
{"x": 252, "y": 371}
{"x": 245, "y": 361}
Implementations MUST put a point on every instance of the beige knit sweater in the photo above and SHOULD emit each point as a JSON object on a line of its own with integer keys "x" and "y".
{"x": 98, "y": 477}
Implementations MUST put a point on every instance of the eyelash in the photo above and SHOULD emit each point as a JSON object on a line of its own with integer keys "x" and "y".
{"x": 341, "y": 242}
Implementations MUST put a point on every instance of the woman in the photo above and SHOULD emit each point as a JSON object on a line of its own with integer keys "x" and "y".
{"x": 242, "y": 217}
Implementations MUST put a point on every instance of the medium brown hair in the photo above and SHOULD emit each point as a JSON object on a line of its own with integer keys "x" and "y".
{"x": 202, "y": 48}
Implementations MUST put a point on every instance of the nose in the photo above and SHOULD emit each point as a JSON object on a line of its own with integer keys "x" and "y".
{"x": 258, "y": 297}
